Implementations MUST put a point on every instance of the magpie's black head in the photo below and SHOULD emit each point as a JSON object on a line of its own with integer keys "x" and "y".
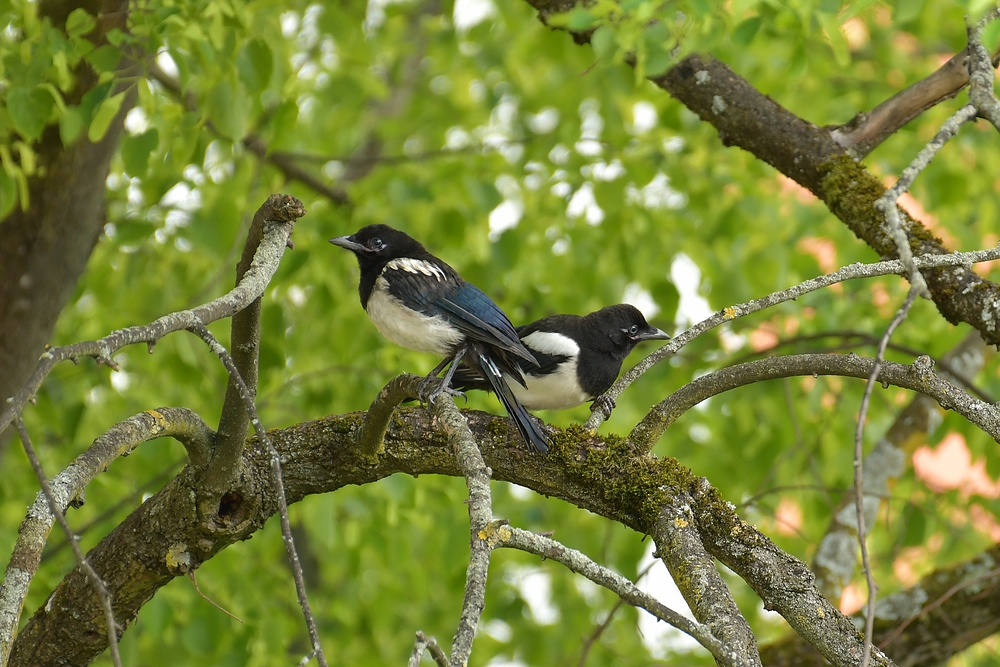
{"x": 375, "y": 245}
{"x": 624, "y": 325}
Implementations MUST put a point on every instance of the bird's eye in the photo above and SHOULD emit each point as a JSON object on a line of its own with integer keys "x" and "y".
{"x": 633, "y": 330}
{"x": 376, "y": 243}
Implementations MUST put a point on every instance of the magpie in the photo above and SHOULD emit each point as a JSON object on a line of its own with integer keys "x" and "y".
{"x": 419, "y": 302}
{"x": 578, "y": 357}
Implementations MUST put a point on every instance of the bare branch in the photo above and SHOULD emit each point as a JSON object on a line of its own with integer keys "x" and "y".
{"x": 679, "y": 546}
{"x": 981, "y": 73}
{"x": 372, "y": 433}
{"x": 279, "y": 487}
{"x": 477, "y": 478}
{"x": 430, "y": 644}
{"x": 517, "y": 538}
{"x": 54, "y": 507}
{"x": 918, "y": 377}
{"x": 284, "y": 211}
{"x": 67, "y": 489}
{"x": 851, "y": 272}
{"x": 887, "y": 202}
{"x": 859, "y": 493}
{"x": 867, "y": 131}
{"x": 234, "y": 423}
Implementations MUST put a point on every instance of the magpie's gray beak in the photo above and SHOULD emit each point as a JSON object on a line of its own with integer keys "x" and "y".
{"x": 348, "y": 242}
{"x": 652, "y": 333}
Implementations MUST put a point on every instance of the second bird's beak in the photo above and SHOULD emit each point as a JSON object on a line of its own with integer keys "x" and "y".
{"x": 347, "y": 242}
{"x": 652, "y": 333}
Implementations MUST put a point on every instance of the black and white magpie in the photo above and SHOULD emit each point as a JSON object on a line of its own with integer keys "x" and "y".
{"x": 419, "y": 302}
{"x": 578, "y": 357}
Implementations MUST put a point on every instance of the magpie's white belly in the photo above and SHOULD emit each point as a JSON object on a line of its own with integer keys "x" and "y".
{"x": 408, "y": 328}
{"x": 559, "y": 390}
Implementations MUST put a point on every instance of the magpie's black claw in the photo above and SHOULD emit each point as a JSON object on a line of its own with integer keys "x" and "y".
{"x": 605, "y": 404}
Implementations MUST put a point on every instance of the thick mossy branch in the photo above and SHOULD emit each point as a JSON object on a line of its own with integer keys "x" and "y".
{"x": 163, "y": 538}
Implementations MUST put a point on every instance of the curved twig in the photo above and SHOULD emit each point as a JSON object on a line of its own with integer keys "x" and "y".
{"x": 372, "y": 433}
{"x": 919, "y": 377}
{"x": 850, "y": 272}
{"x": 286, "y": 210}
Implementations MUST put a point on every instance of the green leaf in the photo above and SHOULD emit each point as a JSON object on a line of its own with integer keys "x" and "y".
{"x": 580, "y": 19}
{"x": 136, "y": 149}
{"x": 104, "y": 58}
{"x": 8, "y": 194}
{"x": 915, "y": 526}
{"x": 70, "y": 125}
{"x": 255, "y": 64}
{"x": 228, "y": 113}
{"x": 838, "y": 42}
{"x": 745, "y": 31}
{"x": 907, "y": 10}
{"x": 603, "y": 41}
{"x": 79, "y": 23}
{"x": 105, "y": 114}
{"x": 29, "y": 110}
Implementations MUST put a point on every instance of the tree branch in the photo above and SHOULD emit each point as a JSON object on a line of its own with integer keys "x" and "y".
{"x": 867, "y": 131}
{"x": 286, "y": 210}
{"x": 67, "y": 489}
{"x": 836, "y": 556}
{"x": 477, "y": 478}
{"x": 234, "y": 423}
{"x": 731, "y": 313}
{"x": 373, "y": 428}
{"x": 279, "y": 486}
{"x": 918, "y": 377}
{"x": 576, "y": 561}
{"x": 679, "y": 546}
{"x": 859, "y": 492}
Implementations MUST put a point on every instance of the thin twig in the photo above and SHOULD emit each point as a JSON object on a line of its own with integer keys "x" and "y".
{"x": 503, "y": 535}
{"x": 102, "y": 591}
{"x": 859, "y": 493}
{"x": 887, "y": 202}
{"x": 430, "y": 644}
{"x": 600, "y": 628}
{"x": 284, "y": 211}
{"x": 851, "y": 272}
{"x": 279, "y": 487}
{"x": 919, "y": 376}
{"x": 477, "y": 478}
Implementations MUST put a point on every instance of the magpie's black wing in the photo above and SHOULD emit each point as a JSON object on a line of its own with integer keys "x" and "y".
{"x": 436, "y": 289}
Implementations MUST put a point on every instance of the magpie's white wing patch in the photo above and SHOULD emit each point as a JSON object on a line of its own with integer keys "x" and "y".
{"x": 549, "y": 342}
{"x": 416, "y": 266}
{"x": 559, "y": 390}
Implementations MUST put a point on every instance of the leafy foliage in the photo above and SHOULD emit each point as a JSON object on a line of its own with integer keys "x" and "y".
{"x": 557, "y": 180}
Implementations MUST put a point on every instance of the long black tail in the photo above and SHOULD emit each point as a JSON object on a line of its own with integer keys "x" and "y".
{"x": 529, "y": 430}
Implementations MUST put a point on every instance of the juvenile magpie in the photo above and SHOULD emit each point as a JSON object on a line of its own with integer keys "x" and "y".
{"x": 578, "y": 357}
{"x": 420, "y": 303}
